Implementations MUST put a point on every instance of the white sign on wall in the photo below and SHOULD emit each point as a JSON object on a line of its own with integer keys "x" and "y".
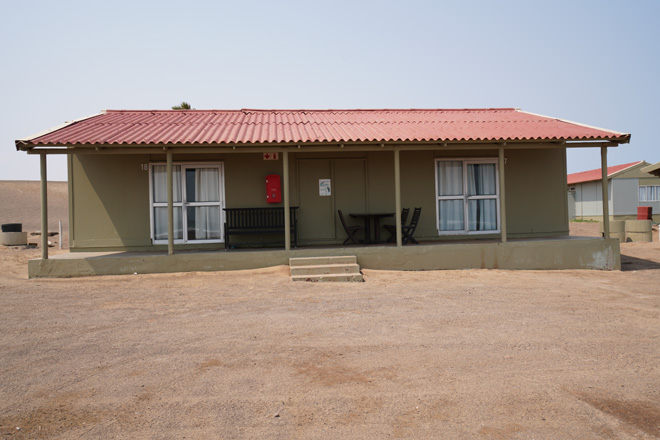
{"x": 271, "y": 156}
{"x": 324, "y": 187}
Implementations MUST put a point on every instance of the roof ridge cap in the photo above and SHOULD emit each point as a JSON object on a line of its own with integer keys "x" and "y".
{"x": 383, "y": 110}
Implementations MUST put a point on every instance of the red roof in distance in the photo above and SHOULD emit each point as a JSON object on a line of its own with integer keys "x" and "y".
{"x": 236, "y": 127}
{"x": 591, "y": 175}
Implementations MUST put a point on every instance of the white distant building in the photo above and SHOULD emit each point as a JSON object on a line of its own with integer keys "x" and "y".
{"x": 628, "y": 186}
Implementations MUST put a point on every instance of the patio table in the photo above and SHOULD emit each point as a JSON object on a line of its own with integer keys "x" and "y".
{"x": 375, "y": 218}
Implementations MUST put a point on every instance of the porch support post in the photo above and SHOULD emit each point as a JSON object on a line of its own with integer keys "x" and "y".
{"x": 397, "y": 196}
{"x": 287, "y": 203}
{"x": 44, "y": 209}
{"x": 606, "y": 196}
{"x": 502, "y": 196}
{"x": 170, "y": 205}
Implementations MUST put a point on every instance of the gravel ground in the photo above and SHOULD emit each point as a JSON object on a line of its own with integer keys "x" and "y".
{"x": 249, "y": 354}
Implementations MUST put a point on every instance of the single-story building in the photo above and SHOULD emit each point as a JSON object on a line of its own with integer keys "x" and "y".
{"x": 629, "y": 187}
{"x": 158, "y": 189}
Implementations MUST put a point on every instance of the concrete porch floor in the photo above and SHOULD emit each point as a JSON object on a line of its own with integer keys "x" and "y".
{"x": 527, "y": 254}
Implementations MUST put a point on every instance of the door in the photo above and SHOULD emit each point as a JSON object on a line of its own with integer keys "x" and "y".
{"x": 198, "y": 193}
{"x": 318, "y": 219}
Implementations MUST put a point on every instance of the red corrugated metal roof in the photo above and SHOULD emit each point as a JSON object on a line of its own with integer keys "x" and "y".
{"x": 591, "y": 175}
{"x": 204, "y": 127}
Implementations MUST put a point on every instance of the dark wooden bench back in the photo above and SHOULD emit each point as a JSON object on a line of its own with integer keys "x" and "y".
{"x": 258, "y": 218}
{"x": 256, "y": 221}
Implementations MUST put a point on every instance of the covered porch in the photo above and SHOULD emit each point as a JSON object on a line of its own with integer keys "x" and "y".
{"x": 128, "y": 193}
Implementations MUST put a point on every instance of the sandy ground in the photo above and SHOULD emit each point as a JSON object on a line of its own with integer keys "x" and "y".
{"x": 20, "y": 202}
{"x": 249, "y": 354}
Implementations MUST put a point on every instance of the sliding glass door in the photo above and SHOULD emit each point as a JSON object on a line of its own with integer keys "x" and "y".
{"x": 198, "y": 200}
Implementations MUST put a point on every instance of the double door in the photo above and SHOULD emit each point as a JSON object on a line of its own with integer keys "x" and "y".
{"x": 325, "y": 186}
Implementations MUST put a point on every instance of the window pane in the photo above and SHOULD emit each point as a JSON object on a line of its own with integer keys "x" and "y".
{"x": 160, "y": 183}
{"x": 160, "y": 223}
{"x": 451, "y": 216}
{"x": 203, "y": 222}
{"x": 482, "y": 215}
{"x": 202, "y": 185}
{"x": 481, "y": 179}
{"x": 450, "y": 178}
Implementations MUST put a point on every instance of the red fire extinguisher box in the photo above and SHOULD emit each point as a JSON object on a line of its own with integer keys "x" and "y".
{"x": 273, "y": 189}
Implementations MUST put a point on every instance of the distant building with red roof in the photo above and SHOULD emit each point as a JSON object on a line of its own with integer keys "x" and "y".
{"x": 629, "y": 187}
{"x": 591, "y": 175}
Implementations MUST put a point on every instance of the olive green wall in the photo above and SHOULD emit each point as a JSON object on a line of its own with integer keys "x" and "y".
{"x": 536, "y": 198}
{"x": 535, "y": 185}
{"x": 649, "y": 181}
{"x": 110, "y": 193}
{"x": 109, "y": 202}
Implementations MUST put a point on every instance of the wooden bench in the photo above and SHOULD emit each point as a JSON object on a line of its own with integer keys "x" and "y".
{"x": 256, "y": 221}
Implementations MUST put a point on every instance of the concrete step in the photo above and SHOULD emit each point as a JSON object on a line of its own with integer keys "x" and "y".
{"x": 317, "y": 261}
{"x": 330, "y": 277}
{"x": 343, "y": 268}
{"x": 325, "y": 269}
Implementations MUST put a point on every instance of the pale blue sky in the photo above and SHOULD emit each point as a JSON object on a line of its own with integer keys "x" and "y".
{"x": 594, "y": 62}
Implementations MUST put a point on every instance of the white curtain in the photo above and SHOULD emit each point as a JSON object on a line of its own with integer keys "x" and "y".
{"x": 207, "y": 188}
{"x": 649, "y": 193}
{"x": 451, "y": 215}
{"x": 450, "y": 178}
{"x": 160, "y": 183}
{"x": 160, "y": 223}
{"x": 481, "y": 179}
{"x": 482, "y": 213}
{"x": 206, "y": 221}
{"x": 450, "y": 183}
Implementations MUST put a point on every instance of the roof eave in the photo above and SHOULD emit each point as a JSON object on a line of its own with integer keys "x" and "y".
{"x": 25, "y": 143}
{"x": 118, "y": 148}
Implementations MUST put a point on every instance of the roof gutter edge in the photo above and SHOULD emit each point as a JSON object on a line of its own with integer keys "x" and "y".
{"x": 625, "y": 137}
{"x": 23, "y": 143}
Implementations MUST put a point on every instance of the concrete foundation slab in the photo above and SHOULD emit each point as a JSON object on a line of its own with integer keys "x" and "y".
{"x": 541, "y": 254}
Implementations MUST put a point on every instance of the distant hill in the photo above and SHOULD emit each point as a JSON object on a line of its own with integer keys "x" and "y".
{"x": 20, "y": 202}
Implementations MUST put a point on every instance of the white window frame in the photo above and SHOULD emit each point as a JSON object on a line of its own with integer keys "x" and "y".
{"x": 183, "y": 204}
{"x": 465, "y": 197}
{"x": 655, "y": 193}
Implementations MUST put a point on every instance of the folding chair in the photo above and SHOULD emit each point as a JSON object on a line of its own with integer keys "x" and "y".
{"x": 392, "y": 228}
{"x": 408, "y": 231}
{"x": 351, "y": 231}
